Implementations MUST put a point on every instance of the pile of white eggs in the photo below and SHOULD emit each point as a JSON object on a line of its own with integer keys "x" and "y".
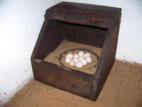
{"x": 78, "y": 59}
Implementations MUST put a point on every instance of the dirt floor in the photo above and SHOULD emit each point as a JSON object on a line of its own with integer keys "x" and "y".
{"x": 123, "y": 88}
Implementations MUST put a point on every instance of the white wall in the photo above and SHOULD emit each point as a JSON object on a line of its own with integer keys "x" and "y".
{"x": 20, "y": 23}
{"x": 130, "y": 36}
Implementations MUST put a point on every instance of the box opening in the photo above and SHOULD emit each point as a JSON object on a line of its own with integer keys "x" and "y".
{"x": 57, "y": 31}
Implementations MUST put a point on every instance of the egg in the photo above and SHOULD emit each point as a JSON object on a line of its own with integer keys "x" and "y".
{"x": 87, "y": 54}
{"x": 67, "y": 60}
{"x": 84, "y": 62}
{"x": 79, "y": 65}
{"x": 81, "y": 58}
{"x": 75, "y": 56}
{"x": 81, "y": 53}
{"x": 88, "y": 59}
{"x": 72, "y": 63}
{"x": 69, "y": 56}
{"x": 75, "y": 60}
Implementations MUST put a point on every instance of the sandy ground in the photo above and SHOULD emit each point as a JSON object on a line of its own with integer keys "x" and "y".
{"x": 123, "y": 88}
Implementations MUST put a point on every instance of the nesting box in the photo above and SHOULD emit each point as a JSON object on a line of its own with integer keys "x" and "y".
{"x": 74, "y": 26}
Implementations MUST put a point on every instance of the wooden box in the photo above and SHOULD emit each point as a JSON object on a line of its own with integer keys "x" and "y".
{"x": 93, "y": 25}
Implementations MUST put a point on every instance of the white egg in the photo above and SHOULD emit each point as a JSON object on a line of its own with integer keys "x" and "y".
{"x": 87, "y": 55}
{"x": 75, "y": 56}
{"x": 69, "y": 56}
{"x": 67, "y": 60}
{"x": 72, "y": 63}
{"x": 81, "y": 58}
{"x": 81, "y": 53}
{"x": 81, "y": 61}
{"x": 84, "y": 62}
{"x": 88, "y": 59}
{"x": 79, "y": 65}
{"x": 75, "y": 60}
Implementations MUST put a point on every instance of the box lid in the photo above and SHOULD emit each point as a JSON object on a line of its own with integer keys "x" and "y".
{"x": 95, "y": 15}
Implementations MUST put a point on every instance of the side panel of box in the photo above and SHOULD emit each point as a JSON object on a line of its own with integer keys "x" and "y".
{"x": 107, "y": 58}
{"x": 72, "y": 81}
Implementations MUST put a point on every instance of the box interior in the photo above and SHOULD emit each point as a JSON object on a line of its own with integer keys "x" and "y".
{"x": 56, "y": 32}
{"x": 58, "y": 56}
